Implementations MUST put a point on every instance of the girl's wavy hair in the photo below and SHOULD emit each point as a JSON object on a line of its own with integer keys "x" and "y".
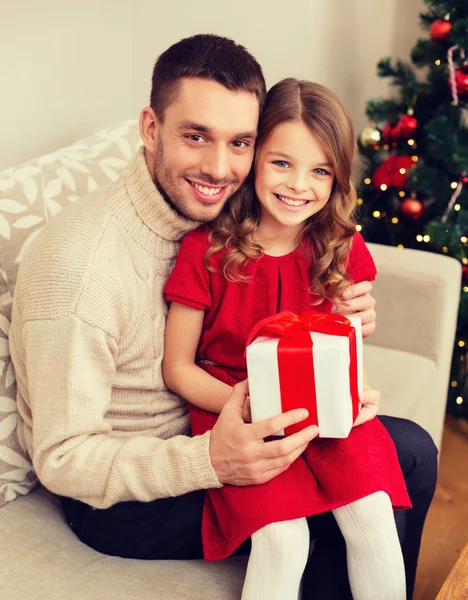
{"x": 329, "y": 232}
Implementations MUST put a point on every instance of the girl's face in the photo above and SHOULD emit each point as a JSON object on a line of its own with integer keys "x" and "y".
{"x": 293, "y": 177}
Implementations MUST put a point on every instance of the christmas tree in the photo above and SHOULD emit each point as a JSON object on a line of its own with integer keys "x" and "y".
{"x": 414, "y": 188}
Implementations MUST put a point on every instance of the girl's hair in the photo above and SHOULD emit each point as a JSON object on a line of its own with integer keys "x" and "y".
{"x": 329, "y": 232}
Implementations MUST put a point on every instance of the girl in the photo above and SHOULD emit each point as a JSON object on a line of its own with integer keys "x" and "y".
{"x": 286, "y": 242}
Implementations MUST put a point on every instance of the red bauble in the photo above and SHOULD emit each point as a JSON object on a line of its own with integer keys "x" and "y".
{"x": 465, "y": 272}
{"x": 413, "y": 208}
{"x": 388, "y": 173}
{"x": 406, "y": 126}
{"x": 461, "y": 80}
{"x": 440, "y": 29}
{"x": 403, "y": 128}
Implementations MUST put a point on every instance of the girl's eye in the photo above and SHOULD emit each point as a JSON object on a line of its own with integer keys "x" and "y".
{"x": 281, "y": 163}
{"x": 320, "y": 171}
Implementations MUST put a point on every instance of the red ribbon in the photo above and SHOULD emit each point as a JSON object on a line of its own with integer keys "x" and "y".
{"x": 295, "y": 358}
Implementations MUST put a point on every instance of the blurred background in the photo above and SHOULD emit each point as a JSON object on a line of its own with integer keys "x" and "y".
{"x": 70, "y": 68}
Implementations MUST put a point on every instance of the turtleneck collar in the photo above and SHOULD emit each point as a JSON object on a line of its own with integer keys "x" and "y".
{"x": 150, "y": 205}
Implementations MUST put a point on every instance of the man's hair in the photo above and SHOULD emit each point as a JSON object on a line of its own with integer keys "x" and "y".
{"x": 209, "y": 57}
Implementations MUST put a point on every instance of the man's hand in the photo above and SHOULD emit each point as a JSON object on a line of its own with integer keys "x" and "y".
{"x": 358, "y": 302}
{"x": 239, "y": 454}
{"x": 246, "y": 412}
{"x": 370, "y": 400}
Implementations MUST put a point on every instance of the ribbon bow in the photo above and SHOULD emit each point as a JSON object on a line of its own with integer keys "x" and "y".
{"x": 287, "y": 324}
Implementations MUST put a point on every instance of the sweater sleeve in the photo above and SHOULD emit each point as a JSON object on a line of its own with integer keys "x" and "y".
{"x": 361, "y": 266}
{"x": 189, "y": 282}
{"x": 70, "y": 369}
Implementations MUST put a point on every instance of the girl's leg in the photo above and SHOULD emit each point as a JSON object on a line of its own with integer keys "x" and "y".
{"x": 375, "y": 562}
{"x": 277, "y": 560}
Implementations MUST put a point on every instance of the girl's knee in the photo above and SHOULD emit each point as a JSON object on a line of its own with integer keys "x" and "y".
{"x": 285, "y": 535}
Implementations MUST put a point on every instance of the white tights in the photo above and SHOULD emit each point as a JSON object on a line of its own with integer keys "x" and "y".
{"x": 375, "y": 562}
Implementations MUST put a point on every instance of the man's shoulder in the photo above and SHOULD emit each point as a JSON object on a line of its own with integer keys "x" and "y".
{"x": 82, "y": 245}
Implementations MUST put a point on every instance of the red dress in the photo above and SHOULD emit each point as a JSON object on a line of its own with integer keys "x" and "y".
{"x": 331, "y": 472}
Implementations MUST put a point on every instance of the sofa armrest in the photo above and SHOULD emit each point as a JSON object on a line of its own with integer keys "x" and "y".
{"x": 417, "y": 296}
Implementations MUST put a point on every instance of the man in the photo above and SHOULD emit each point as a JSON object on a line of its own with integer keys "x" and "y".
{"x": 87, "y": 337}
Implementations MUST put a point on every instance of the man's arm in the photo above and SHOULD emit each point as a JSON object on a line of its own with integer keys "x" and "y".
{"x": 70, "y": 371}
{"x": 70, "y": 374}
{"x": 358, "y": 302}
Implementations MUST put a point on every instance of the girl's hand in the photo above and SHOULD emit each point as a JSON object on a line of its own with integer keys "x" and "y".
{"x": 246, "y": 413}
{"x": 370, "y": 400}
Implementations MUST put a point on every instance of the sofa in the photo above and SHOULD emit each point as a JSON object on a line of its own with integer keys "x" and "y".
{"x": 408, "y": 359}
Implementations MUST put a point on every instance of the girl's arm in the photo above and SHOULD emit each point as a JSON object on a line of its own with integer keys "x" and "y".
{"x": 181, "y": 374}
{"x": 370, "y": 400}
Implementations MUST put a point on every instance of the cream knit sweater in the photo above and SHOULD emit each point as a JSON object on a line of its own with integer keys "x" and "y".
{"x": 87, "y": 341}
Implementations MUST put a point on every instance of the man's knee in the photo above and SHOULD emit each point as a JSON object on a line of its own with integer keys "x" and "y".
{"x": 416, "y": 450}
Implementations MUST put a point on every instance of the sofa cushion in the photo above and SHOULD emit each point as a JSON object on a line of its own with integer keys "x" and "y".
{"x": 41, "y": 559}
{"x": 406, "y": 382}
{"x": 16, "y": 473}
{"x": 33, "y": 193}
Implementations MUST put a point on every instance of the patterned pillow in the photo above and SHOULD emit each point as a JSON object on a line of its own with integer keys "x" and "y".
{"x": 32, "y": 194}
{"x": 16, "y": 472}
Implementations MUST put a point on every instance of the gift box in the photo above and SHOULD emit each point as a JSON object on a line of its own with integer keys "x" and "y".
{"x": 312, "y": 361}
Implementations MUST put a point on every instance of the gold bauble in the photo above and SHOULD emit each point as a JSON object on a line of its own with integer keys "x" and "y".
{"x": 369, "y": 137}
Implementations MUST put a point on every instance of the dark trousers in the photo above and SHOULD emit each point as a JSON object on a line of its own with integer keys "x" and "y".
{"x": 171, "y": 528}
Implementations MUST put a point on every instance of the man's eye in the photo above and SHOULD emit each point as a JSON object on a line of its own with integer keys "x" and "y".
{"x": 281, "y": 163}
{"x": 195, "y": 138}
{"x": 240, "y": 144}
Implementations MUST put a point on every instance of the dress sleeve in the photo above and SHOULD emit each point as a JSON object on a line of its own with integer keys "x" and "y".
{"x": 361, "y": 266}
{"x": 189, "y": 282}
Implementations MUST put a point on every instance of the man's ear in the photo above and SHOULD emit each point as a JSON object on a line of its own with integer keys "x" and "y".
{"x": 149, "y": 126}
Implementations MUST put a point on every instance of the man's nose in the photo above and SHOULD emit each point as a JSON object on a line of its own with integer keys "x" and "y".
{"x": 216, "y": 164}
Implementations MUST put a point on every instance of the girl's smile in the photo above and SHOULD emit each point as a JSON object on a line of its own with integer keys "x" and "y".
{"x": 293, "y": 179}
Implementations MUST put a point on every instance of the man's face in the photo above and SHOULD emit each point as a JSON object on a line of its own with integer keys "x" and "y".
{"x": 205, "y": 146}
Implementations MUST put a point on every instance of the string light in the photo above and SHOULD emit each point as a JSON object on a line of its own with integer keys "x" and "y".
{"x": 454, "y": 185}
{"x": 463, "y": 239}
{"x": 384, "y": 187}
{"x": 415, "y": 158}
{"x": 454, "y": 384}
{"x": 459, "y": 400}
{"x": 461, "y": 343}
{"x": 419, "y": 238}
{"x": 444, "y": 249}
{"x": 464, "y": 260}
{"x": 401, "y": 194}
{"x": 395, "y": 220}
{"x": 367, "y": 180}
{"x": 376, "y": 214}
{"x": 386, "y": 146}
{"x": 400, "y": 246}
{"x": 457, "y": 207}
{"x": 402, "y": 171}
{"x": 437, "y": 62}
{"x": 411, "y": 142}
{"x": 358, "y": 227}
{"x": 360, "y": 201}
{"x": 465, "y": 289}
{"x": 427, "y": 238}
